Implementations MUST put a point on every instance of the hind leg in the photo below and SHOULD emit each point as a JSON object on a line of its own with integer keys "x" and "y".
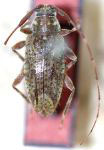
{"x": 69, "y": 83}
{"x": 17, "y": 81}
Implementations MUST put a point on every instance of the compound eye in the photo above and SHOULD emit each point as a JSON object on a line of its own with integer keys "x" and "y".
{"x": 38, "y": 8}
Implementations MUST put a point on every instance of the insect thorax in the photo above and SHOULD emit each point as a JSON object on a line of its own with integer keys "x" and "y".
{"x": 46, "y": 24}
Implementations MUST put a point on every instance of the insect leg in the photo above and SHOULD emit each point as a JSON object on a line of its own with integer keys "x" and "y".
{"x": 79, "y": 30}
{"x": 69, "y": 83}
{"x": 18, "y": 80}
{"x": 22, "y": 21}
{"x": 68, "y": 18}
{"x": 25, "y": 28}
{"x": 18, "y": 46}
{"x": 65, "y": 32}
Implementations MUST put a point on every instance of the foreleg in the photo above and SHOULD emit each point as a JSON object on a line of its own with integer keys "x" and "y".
{"x": 65, "y": 32}
{"x": 25, "y": 28}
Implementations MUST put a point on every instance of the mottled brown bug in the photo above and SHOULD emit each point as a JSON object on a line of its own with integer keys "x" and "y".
{"x": 44, "y": 68}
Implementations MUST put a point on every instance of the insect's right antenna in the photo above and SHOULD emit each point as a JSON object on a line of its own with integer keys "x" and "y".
{"x": 78, "y": 27}
{"x": 23, "y": 20}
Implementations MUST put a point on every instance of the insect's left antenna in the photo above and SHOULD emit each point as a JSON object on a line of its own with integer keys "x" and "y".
{"x": 23, "y": 20}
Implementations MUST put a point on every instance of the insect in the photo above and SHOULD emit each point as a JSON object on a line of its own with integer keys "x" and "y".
{"x": 44, "y": 69}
